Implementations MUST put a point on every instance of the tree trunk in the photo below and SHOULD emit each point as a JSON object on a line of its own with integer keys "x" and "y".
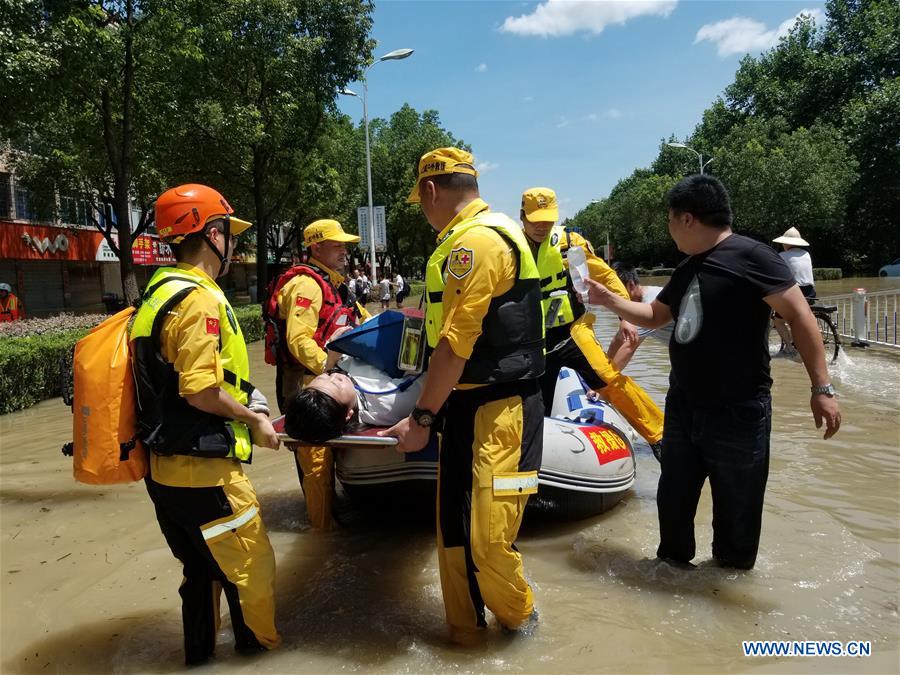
{"x": 130, "y": 289}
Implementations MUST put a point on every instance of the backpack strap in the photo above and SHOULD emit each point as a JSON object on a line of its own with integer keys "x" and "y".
{"x": 170, "y": 304}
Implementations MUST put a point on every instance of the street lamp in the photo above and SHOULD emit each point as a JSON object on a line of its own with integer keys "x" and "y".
{"x": 699, "y": 156}
{"x": 395, "y": 55}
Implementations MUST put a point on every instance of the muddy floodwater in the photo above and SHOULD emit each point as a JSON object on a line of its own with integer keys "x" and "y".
{"x": 88, "y": 585}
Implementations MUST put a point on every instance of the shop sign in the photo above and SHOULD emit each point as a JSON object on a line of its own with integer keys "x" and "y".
{"x": 43, "y": 242}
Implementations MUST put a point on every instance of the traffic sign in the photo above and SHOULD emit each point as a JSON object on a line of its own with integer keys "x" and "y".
{"x": 362, "y": 221}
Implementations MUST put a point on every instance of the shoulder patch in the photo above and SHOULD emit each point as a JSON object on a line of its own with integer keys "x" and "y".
{"x": 212, "y": 326}
{"x": 302, "y": 303}
{"x": 554, "y": 239}
{"x": 460, "y": 262}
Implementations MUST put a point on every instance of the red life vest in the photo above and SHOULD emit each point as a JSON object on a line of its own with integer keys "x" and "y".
{"x": 333, "y": 314}
{"x": 11, "y": 311}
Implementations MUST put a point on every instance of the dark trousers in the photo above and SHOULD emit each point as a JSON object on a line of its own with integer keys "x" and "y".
{"x": 180, "y": 512}
{"x": 729, "y": 444}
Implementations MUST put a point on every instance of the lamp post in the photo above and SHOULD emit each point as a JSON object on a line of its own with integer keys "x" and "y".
{"x": 699, "y": 156}
{"x": 395, "y": 55}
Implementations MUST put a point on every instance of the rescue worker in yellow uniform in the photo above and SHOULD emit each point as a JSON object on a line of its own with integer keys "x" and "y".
{"x": 483, "y": 321}
{"x": 199, "y": 416}
{"x": 307, "y": 306}
{"x": 571, "y": 341}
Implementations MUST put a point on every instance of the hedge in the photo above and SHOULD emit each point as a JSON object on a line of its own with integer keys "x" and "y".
{"x": 30, "y": 366}
{"x": 827, "y": 273}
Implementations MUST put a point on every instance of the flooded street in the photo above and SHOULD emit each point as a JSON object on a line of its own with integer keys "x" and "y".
{"x": 89, "y": 585}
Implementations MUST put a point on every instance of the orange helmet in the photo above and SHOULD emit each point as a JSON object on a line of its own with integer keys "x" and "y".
{"x": 186, "y": 209}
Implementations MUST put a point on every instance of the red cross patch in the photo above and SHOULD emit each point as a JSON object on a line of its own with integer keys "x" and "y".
{"x": 461, "y": 262}
{"x": 212, "y": 326}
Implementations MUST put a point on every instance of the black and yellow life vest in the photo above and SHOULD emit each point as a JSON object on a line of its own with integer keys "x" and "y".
{"x": 559, "y": 303}
{"x": 167, "y": 423}
{"x": 511, "y": 344}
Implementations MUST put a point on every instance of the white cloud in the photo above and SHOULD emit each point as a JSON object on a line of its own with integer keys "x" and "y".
{"x": 590, "y": 117}
{"x": 740, "y": 35}
{"x": 528, "y": 99}
{"x": 484, "y": 167}
{"x": 563, "y": 122}
{"x": 613, "y": 113}
{"x": 555, "y": 18}
{"x": 481, "y": 67}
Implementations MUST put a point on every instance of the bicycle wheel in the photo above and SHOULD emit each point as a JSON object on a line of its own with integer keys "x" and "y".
{"x": 776, "y": 345}
{"x": 829, "y": 334}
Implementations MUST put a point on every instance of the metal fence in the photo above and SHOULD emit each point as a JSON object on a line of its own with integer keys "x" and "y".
{"x": 866, "y": 317}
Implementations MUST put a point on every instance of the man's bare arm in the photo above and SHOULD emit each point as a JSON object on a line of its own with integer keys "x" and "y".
{"x": 654, "y": 315}
{"x": 794, "y": 309}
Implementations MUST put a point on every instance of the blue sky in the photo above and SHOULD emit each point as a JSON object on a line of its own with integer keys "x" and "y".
{"x": 570, "y": 95}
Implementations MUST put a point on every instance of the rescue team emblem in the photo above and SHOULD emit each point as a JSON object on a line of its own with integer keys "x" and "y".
{"x": 303, "y": 303}
{"x": 554, "y": 239}
{"x": 461, "y": 262}
{"x": 212, "y": 326}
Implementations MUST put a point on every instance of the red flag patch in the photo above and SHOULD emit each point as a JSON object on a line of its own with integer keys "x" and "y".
{"x": 303, "y": 303}
{"x": 212, "y": 326}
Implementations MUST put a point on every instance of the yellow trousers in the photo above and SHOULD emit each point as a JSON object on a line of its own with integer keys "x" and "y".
{"x": 625, "y": 394}
{"x": 218, "y": 535}
{"x": 315, "y": 464}
{"x": 489, "y": 460}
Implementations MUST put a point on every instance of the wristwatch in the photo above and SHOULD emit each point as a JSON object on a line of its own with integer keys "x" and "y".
{"x": 423, "y": 417}
{"x": 827, "y": 389}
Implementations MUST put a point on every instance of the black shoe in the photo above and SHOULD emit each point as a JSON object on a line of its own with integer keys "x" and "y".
{"x": 657, "y": 450}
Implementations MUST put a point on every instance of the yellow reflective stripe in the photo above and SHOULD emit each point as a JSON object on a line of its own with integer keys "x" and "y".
{"x": 515, "y": 483}
{"x": 233, "y": 524}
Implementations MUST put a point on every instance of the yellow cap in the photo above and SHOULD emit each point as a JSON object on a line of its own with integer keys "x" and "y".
{"x": 326, "y": 230}
{"x": 539, "y": 205}
{"x": 442, "y": 161}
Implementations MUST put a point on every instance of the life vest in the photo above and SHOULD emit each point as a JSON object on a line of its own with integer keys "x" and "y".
{"x": 559, "y": 303}
{"x": 335, "y": 312}
{"x": 12, "y": 310}
{"x": 167, "y": 423}
{"x": 511, "y": 344}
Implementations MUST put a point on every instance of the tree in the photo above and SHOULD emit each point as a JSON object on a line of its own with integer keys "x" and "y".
{"x": 397, "y": 146}
{"x": 259, "y": 88}
{"x": 78, "y": 84}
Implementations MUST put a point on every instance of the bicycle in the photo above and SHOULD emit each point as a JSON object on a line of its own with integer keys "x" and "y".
{"x": 830, "y": 338}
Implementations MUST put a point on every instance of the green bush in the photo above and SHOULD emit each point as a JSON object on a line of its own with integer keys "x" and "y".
{"x": 827, "y": 273}
{"x": 30, "y": 366}
{"x": 655, "y": 272}
{"x": 250, "y": 319}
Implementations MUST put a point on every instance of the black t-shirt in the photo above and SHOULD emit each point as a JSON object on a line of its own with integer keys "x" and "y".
{"x": 719, "y": 346}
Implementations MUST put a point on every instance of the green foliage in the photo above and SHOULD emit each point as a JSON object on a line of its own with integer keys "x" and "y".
{"x": 253, "y": 98}
{"x": 827, "y": 273}
{"x": 30, "y": 366}
{"x": 250, "y": 319}
{"x": 805, "y": 136}
{"x": 397, "y": 146}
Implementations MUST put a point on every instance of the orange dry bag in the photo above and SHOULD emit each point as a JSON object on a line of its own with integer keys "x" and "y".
{"x": 105, "y": 446}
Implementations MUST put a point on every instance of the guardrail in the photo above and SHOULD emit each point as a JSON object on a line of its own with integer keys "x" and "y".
{"x": 866, "y": 318}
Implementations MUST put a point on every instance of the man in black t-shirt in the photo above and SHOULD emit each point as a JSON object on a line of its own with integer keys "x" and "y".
{"x": 718, "y": 413}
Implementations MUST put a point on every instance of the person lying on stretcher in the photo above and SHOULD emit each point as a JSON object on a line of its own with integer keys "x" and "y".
{"x": 350, "y": 395}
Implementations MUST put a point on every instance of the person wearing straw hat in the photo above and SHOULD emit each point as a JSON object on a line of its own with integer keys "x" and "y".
{"x": 800, "y": 262}
{"x": 307, "y": 306}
